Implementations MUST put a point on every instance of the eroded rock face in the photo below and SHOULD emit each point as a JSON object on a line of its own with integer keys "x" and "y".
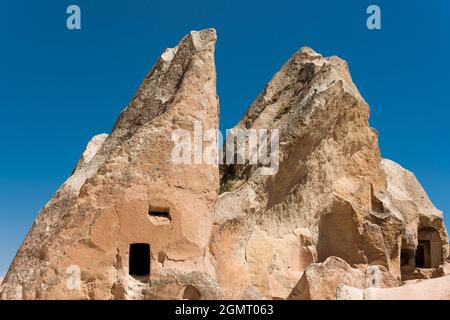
{"x": 324, "y": 199}
{"x": 321, "y": 281}
{"x": 423, "y": 224}
{"x": 333, "y": 196}
{"x": 333, "y": 212}
{"x": 432, "y": 289}
{"x": 125, "y": 190}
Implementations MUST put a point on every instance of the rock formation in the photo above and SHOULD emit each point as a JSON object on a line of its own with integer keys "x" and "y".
{"x": 332, "y": 196}
{"x": 125, "y": 190}
{"x": 432, "y": 289}
{"x": 131, "y": 224}
{"x": 320, "y": 281}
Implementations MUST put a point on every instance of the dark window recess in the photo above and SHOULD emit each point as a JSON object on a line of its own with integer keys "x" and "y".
{"x": 161, "y": 214}
{"x": 420, "y": 256}
{"x": 139, "y": 259}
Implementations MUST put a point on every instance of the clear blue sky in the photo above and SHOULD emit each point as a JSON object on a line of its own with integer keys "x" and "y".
{"x": 60, "y": 87}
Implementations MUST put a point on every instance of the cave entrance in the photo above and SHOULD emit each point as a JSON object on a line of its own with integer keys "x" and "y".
{"x": 423, "y": 246}
{"x": 429, "y": 249}
{"x": 139, "y": 259}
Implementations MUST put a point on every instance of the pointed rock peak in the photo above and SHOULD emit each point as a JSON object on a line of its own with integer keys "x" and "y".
{"x": 338, "y": 66}
{"x": 308, "y": 53}
{"x": 334, "y": 68}
{"x": 305, "y": 75}
{"x": 157, "y": 91}
{"x": 200, "y": 40}
{"x": 128, "y": 189}
{"x": 204, "y": 38}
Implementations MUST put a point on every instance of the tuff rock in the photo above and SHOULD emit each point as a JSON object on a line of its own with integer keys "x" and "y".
{"x": 333, "y": 211}
{"x": 432, "y": 289}
{"x": 321, "y": 281}
{"x": 119, "y": 181}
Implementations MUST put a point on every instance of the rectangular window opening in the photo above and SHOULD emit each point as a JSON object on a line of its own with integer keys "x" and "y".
{"x": 160, "y": 214}
{"x": 139, "y": 259}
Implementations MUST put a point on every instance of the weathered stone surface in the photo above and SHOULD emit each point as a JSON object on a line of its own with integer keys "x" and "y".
{"x": 104, "y": 206}
{"x": 91, "y": 150}
{"x": 446, "y": 268}
{"x": 332, "y": 196}
{"x": 421, "y": 220}
{"x": 333, "y": 213}
{"x": 320, "y": 281}
{"x": 324, "y": 199}
{"x": 431, "y": 289}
